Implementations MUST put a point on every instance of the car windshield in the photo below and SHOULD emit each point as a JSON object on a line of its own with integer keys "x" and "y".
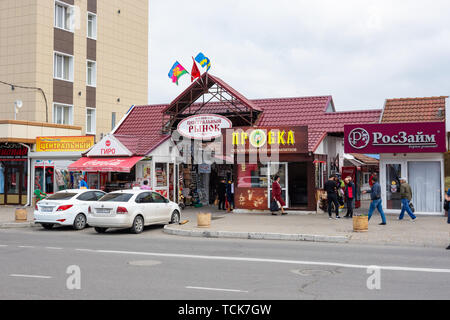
{"x": 61, "y": 196}
{"x": 116, "y": 197}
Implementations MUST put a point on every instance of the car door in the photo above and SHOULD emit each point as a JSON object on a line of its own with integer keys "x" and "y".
{"x": 85, "y": 200}
{"x": 143, "y": 205}
{"x": 161, "y": 206}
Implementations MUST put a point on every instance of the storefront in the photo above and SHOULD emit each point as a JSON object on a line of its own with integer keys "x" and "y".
{"x": 13, "y": 174}
{"x": 51, "y": 159}
{"x": 411, "y": 150}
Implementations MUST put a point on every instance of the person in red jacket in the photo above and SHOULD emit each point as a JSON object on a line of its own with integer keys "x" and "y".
{"x": 276, "y": 194}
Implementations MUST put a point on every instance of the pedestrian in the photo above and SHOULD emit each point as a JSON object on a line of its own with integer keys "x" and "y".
{"x": 221, "y": 194}
{"x": 349, "y": 196}
{"x": 332, "y": 196}
{"x": 230, "y": 195}
{"x": 375, "y": 196}
{"x": 145, "y": 186}
{"x": 82, "y": 184}
{"x": 447, "y": 198}
{"x": 276, "y": 195}
{"x": 373, "y": 175}
{"x": 406, "y": 197}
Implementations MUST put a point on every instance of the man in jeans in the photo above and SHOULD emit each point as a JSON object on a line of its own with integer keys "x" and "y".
{"x": 375, "y": 196}
{"x": 349, "y": 196}
{"x": 406, "y": 196}
{"x": 331, "y": 189}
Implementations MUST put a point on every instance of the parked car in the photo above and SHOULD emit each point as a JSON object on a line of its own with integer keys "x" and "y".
{"x": 132, "y": 209}
{"x": 68, "y": 207}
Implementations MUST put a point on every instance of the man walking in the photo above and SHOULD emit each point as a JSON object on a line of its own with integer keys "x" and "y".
{"x": 349, "y": 196}
{"x": 375, "y": 196}
{"x": 331, "y": 189}
{"x": 221, "y": 192}
{"x": 406, "y": 196}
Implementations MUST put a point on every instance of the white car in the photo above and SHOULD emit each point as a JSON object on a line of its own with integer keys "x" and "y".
{"x": 67, "y": 208}
{"x": 132, "y": 209}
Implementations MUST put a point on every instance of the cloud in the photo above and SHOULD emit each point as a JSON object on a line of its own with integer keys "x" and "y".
{"x": 359, "y": 51}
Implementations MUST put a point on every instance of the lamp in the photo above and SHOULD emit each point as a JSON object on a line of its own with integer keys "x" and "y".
{"x": 17, "y": 105}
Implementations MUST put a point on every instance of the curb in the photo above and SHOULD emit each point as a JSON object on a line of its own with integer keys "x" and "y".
{"x": 255, "y": 235}
{"x": 16, "y": 225}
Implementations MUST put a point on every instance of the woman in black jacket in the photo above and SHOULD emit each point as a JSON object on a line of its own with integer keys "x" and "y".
{"x": 350, "y": 191}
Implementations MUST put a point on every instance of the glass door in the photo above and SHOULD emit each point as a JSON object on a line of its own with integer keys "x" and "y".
{"x": 14, "y": 181}
{"x": 391, "y": 183}
{"x": 424, "y": 177}
{"x": 281, "y": 170}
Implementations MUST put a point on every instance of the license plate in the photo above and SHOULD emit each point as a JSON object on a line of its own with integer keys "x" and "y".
{"x": 47, "y": 209}
{"x": 103, "y": 211}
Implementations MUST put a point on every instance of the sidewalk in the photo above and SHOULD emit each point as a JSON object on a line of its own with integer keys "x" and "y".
{"x": 427, "y": 231}
{"x": 7, "y": 217}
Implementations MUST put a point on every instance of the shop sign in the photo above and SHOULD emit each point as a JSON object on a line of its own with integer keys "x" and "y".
{"x": 203, "y": 127}
{"x": 267, "y": 139}
{"x": 109, "y": 146}
{"x": 13, "y": 151}
{"x": 64, "y": 144}
{"x": 423, "y": 137}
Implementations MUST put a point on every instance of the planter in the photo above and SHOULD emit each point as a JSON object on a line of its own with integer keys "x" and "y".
{"x": 360, "y": 223}
{"x": 203, "y": 220}
{"x": 21, "y": 215}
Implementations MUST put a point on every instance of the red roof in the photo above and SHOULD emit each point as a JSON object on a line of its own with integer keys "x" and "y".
{"x": 140, "y": 132}
{"x": 414, "y": 110}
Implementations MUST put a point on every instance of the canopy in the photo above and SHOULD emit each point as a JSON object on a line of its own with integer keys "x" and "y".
{"x": 104, "y": 164}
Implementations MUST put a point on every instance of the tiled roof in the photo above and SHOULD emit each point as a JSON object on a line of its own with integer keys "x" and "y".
{"x": 141, "y": 130}
{"x": 414, "y": 110}
{"x": 365, "y": 159}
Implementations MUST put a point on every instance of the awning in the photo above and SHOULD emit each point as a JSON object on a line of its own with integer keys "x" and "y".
{"x": 104, "y": 164}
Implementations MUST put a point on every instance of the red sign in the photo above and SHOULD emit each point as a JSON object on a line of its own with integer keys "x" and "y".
{"x": 421, "y": 137}
{"x": 104, "y": 164}
{"x": 13, "y": 151}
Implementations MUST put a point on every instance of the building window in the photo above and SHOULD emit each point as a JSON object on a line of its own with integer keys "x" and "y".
{"x": 64, "y": 16}
{"x": 63, "y": 67}
{"x": 92, "y": 26}
{"x": 91, "y": 73}
{"x": 113, "y": 120}
{"x": 62, "y": 114}
{"x": 90, "y": 121}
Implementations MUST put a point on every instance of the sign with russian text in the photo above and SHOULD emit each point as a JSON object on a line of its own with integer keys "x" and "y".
{"x": 266, "y": 140}
{"x": 203, "y": 126}
{"x": 423, "y": 137}
{"x": 109, "y": 146}
{"x": 64, "y": 144}
{"x": 13, "y": 151}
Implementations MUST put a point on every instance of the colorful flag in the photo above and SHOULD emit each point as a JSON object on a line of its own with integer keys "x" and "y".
{"x": 176, "y": 72}
{"x": 204, "y": 61}
{"x": 195, "y": 73}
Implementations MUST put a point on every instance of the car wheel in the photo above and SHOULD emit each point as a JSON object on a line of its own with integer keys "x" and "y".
{"x": 138, "y": 225}
{"x": 175, "y": 218}
{"x": 80, "y": 222}
{"x": 47, "y": 226}
{"x": 100, "y": 230}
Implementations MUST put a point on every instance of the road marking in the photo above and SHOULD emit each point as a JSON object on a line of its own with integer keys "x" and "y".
{"x": 53, "y": 248}
{"x": 27, "y": 247}
{"x": 85, "y": 250}
{"x": 29, "y": 276}
{"x": 216, "y": 289}
{"x": 3, "y": 245}
{"x": 333, "y": 264}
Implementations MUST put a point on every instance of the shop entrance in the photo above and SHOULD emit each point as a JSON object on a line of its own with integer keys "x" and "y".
{"x": 14, "y": 182}
{"x": 298, "y": 186}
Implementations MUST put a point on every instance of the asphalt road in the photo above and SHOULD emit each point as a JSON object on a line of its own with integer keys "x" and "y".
{"x": 39, "y": 264}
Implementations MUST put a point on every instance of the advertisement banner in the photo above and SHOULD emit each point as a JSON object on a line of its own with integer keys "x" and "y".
{"x": 64, "y": 144}
{"x": 423, "y": 137}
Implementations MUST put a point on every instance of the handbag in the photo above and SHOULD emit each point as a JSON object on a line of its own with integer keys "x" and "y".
{"x": 274, "y": 205}
{"x": 411, "y": 205}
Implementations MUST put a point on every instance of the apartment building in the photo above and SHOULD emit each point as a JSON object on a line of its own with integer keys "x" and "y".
{"x": 76, "y": 66}
{"x": 88, "y": 57}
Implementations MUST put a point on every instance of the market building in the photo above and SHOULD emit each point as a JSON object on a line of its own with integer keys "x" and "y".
{"x": 150, "y": 144}
{"x": 411, "y": 140}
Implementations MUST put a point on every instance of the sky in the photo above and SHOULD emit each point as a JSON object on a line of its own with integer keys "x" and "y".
{"x": 361, "y": 52}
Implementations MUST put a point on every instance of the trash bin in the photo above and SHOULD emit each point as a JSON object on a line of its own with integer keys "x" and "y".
{"x": 203, "y": 220}
{"x": 21, "y": 215}
{"x": 360, "y": 223}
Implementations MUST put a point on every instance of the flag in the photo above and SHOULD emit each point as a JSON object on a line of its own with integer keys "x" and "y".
{"x": 204, "y": 61}
{"x": 195, "y": 73}
{"x": 176, "y": 72}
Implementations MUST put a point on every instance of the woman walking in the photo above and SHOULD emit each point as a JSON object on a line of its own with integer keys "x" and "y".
{"x": 276, "y": 194}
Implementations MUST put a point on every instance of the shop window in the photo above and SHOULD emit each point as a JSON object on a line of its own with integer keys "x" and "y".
{"x": 252, "y": 176}
{"x": 320, "y": 174}
{"x": 49, "y": 180}
{"x": 161, "y": 175}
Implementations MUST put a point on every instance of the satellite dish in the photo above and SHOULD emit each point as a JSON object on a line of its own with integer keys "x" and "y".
{"x": 18, "y": 104}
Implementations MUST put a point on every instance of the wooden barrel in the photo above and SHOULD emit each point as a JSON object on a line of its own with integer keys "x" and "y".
{"x": 21, "y": 215}
{"x": 203, "y": 220}
{"x": 360, "y": 223}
